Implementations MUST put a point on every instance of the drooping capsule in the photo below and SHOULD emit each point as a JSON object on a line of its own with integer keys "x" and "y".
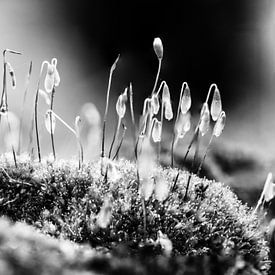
{"x": 219, "y": 125}
{"x": 168, "y": 112}
{"x": 48, "y": 118}
{"x": 185, "y": 103}
{"x": 121, "y": 104}
{"x": 182, "y": 125}
{"x": 104, "y": 216}
{"x": 49, "y": 78}
{"x": 216, "y": 104}
{"x": 45, "y": 96}
{"x": 155, "y": 103}
{"x": 165, "y": 93}
{"x": 120, "y": 107}
{"x": 156, "y": 131}
{"x": 158, "y": 47}
{"x": 166, "y": 101}
{"x": 56, "y": 73}
{"x": 204, "y": 119}
{"x": 12, "y": 75}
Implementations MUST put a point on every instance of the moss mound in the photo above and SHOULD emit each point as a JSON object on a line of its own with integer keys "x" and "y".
{"x": 63, "y": 201}
{"x": 24, "y": 251}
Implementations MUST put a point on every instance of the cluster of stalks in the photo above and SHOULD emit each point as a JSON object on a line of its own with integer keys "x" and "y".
{"x": 147, "y": 137}
{"x": 156, "y": 108}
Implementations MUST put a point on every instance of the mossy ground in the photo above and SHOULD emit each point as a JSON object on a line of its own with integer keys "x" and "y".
{"x": 63, "y": 201}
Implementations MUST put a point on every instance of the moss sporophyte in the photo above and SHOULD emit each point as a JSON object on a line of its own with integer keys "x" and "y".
{"x": 110, "y": 200}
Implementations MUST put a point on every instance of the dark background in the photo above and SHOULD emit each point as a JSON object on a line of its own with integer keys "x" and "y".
{"x": 230, "y": 43}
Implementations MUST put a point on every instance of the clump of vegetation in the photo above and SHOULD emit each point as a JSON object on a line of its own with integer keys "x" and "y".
{"x": 25, "y": 251}
{"x": 78, "y": 205}
{"x": 140, "y": 205}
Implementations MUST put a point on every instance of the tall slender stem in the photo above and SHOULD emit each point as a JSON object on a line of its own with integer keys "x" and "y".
{"x": 12, "y": 146}
{"x": 178, "y": 113}
{"x": 172, "y": 150}
{"x": 157, "y": 76}
{"x": 120, "y": 143}
{"x": 132, "y": 115}
{"x": 106, "y": 110}
{"x": 36, "y": 126}
{"x": 35, "y": 110}
{"x": 192, "y": 166}
{"x": 115, "y": 136}
{"x": 205, "y": 154}
{"x": 51, "y": 123}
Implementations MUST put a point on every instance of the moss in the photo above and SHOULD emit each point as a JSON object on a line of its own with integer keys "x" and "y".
{"x": 63, "y": 201}
{"x": 25, "y": 251}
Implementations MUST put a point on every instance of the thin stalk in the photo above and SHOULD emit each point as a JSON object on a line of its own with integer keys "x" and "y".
{"x": 161, "y": 122}
{"x": 178, "y": 113}
{"x": 172, "y": 150}
{"x": 115, "y": 136}
{"x": 197, "y": 127}
{"x": 81, "y": 158}
{"x": 30, "y": 147}
{"x": 260, "y": 201}
{"x": 51, "y": 124}
{"x": 79, "y": 144}
{"x": 175, "y": 182}
{"x": 142, "y": 125}
{"x": 12, "y": 146}
{"x": 192, "y": 167}
{"x": 191, "y": 143}
{"x": 63, "y": 122}
{"x": 132, "y": 114}
{"x": 157, "y": 76}
{"x": 144, "y": 218}
{"x": 143, "y": 208}
{"x": 35, "y": 110}
{"x": 121, "y": 141}
{"x": 204, "y": 156}
{"x": 106, "y": 111}
{"x": 4, "y": 96}
{"x": 23, "y": 107}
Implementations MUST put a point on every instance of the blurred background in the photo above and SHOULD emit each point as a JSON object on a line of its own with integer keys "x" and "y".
{"x": 230, "y": 43}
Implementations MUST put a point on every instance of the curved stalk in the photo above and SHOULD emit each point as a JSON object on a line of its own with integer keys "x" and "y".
{"x": 106, "y": 109}
{"x": 35, "y": 110}
{"x": 204, "y": 156}
{"x": 178, "y": 112}
{"x": 132, "y": 114}
{"x": 157, "y": 76}
{"x": 120, "y": 143}
{"x": 51, "y": 124}
{"x": 115, "y": 136}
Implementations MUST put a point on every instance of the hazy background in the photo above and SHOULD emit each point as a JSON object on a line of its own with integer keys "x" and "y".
{"x": 230, "y": 43}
